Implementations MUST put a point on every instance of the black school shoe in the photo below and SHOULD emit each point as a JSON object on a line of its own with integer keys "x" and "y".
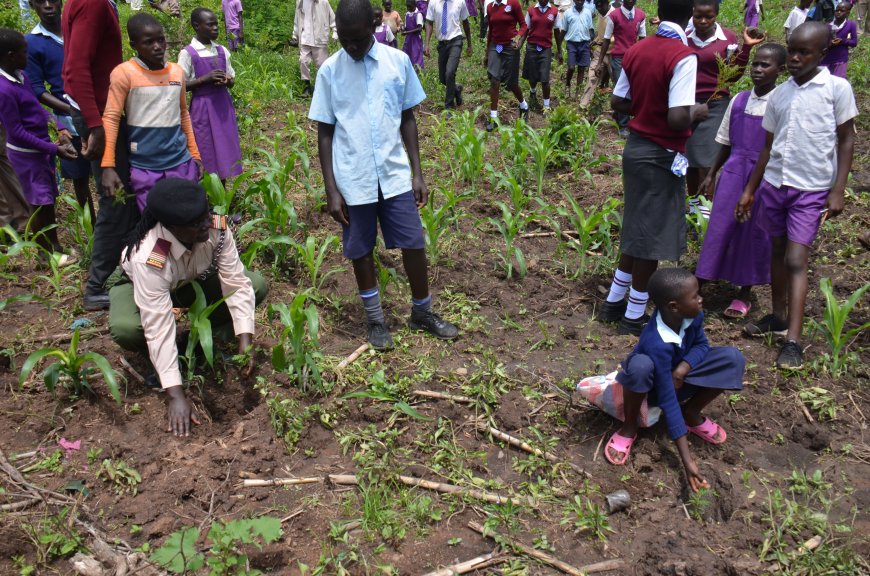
{"x": 612, "y": 311}
{"x": 96, "y": 301}
{"x": 791, "y": 356}
{"x": 524, "y": 114}
{"x": 457, "y": 97}
{"x": 632, "y": 326}
{"x": 770, "y": 324}
{"x": 379, "y": 336}
{"x": 433, "y": 324}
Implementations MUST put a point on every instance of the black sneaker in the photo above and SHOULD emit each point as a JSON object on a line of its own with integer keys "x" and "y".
{"x": 770, "y": 324}
{"x": 791, "y": 357}
{"x": 458, "y": 95}
{"x": 612, "y": 311}
{"x": 491, "y": 124}
{"x": 307, "y": 92}
{"x": 379, "y": 336}
{"x": 433, "y": 324}
{"x": 524, "y": 114}
{"x": 632, "y": 326}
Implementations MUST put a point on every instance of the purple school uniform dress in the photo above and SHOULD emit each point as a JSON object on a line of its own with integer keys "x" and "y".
{"x": 423, "y": 6}
{"x": 381, "y": 35}
{"x": 837, "y": 58}
{"x": 750, "y": 17}
{"x": 214, "y": 119}
{"x": 738, "y": 253}
{"x": 28, "y": 146}
{"x": 413, "y": 45}
{"x": 472, "y": 7}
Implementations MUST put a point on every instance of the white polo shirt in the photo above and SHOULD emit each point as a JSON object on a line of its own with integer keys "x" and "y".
{"x": 804, "y": 120}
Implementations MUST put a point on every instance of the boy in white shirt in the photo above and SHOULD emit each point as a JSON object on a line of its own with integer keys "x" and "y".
{"x": 797, "y": 17}
{"x": 804, "y": 165}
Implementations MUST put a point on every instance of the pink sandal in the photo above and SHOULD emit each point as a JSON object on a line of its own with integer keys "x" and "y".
{"x": 621, "y": 445}
{"x": 738, "y": 309}
{"x": 708, "y": 431}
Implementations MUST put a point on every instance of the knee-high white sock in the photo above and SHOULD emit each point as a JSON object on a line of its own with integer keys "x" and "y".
{"x": 636, "y": 304}
{"x": 619, "y": 286}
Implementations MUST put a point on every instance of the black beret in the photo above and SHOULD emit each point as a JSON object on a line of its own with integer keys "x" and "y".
{"x": 177, "y": 202}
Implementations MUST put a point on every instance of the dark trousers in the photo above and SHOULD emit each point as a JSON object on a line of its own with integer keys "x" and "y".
{"x": 448, "y": 61}
{"x": 615, "y": 71}
{"x": 484, "y": 24}
{"x": 115, "y": 219}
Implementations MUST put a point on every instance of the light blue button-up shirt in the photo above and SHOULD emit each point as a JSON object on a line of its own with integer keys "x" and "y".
{"x": 578, "y": 26}
{"x": 365, "y": 100}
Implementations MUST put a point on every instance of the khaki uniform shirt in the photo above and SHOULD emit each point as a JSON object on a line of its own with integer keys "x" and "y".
{"x": 160, "y": 265}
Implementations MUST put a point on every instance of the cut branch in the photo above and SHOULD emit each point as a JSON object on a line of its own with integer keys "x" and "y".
{"x": 526, "y": 447}
{"x": 351, "y": 480}
{"x": 353, "y": 356}
{"x": 258, "y": 482}
{"x": 442, "y": 396}
{"x": 493, "y": 557}
{"x": 550, "y": 560}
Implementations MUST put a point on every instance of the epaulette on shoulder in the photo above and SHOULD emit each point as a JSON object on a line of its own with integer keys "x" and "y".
{"x": 218, "y": 222}
{"x": 157, "y": 258}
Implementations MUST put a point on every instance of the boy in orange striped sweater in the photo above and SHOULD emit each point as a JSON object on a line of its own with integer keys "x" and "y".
{"x": 151, "y": 94}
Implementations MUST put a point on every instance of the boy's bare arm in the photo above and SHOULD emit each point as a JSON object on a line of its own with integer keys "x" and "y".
{"x": 845, "y": 151}
{"x": 408, "y": 130}
{"x": 334, "y": 201}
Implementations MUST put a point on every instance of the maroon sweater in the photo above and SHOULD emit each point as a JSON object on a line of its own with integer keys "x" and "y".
{"x": 91, "y": 50}
{"x": 541, "y": 30}
{"x": 506, "y": 20}
{"x": 650, "y": 65}
{"x": 708, "y": 69}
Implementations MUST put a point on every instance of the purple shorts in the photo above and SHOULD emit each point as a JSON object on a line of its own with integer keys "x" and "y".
{"x": 142, "y": 180}
{"x": 789, "y": 212}
{"x": 400, "y": 225}
{"x": 37, "y": 173}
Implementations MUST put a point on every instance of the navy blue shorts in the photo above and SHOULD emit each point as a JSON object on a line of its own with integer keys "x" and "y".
{"x": 78, "y": 168}
{"x": 400, "y": 225}
{"x": 579, "y": 54}
{"x": 722, "y": 368}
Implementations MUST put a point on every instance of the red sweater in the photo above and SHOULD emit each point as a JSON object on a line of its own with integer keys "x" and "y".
{"x": 541, "y": 30}
{"x": 504, "y": 20}
{"x": 625, "y": 31}
{"x": 92, "y": 49}
{"x": 708, "y": 69}
{"x": 650, "y": 66}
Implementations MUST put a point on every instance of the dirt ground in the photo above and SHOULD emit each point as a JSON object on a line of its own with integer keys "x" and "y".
{"x": 528, "y": 339}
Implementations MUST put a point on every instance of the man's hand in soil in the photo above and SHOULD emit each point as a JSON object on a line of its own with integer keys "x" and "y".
{"x": 180, "y": 413}
{"x": 246, "y": 350}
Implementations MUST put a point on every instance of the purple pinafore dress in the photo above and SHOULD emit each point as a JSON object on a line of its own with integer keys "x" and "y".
{"x": 472, "y": 7}
{"x": 381, "y": 35}
{"x": 214, "y": 119}
{"x": 750, "y": 17}
{"x": 423, "y": 7}
{"x": 738, "y": 253}
{"x": 413, "y": 45}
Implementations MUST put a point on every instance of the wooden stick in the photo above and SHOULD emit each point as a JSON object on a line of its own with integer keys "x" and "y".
{"x": 806, "y": 412}
{"x": 522, "y": 445}
{"x": 258, "y": 482}
{"x": 351, "y": 480}
{"x": 292, "y": 516}
{"x": 549, "y": 560}
{"x": 67, "y": 336}
{"x": 469, "y": 565}
{"x": 132, "y": 371}
{"x": 442, "y": 396}
{"x": 353, "y": 356}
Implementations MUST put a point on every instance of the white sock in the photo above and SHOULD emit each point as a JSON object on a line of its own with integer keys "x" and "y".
{"x": 693, "y": 204}
{"x": 524, "y": 105}
{"x": 546, "y": 102}
{"x": 619, "y": 286}
{"x": 704, "y": 211}
{"x": 493, "y": 113}
{"x": 636, "y": 304}
{"x": 532, "y": 91}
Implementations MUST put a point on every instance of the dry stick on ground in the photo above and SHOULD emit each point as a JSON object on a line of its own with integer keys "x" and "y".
{"x": 517, "y": 443}
{"x": 442, "y": 396}
{"x": 353, "y": 356}
{"x": 258, "y": 483}
{"x": 67, "y": 336}
{"x": 470, "y": 565}
{"x": 351, "y": 480}
{"x": 131, "y": 371}
{"x": 615, "y": 564}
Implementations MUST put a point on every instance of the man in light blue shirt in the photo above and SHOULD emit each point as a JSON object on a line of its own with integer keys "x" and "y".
{"x": 578, "y": 30}
{"x": 364, "y": 103}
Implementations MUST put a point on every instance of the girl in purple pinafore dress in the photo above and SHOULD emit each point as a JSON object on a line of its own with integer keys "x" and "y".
{"x": 844, "y": 37}
{"x": 752, "y": 10}
{"x": 740, "y": 253}
{"x": 383, "y": 34}
{"x": 472, "y": 7}
{"x": 413, "y": 45}
{"x": 212, "y": 113}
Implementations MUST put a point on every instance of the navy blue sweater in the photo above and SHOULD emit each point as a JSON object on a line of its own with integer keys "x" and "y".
{"x": 665, "y": 357}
